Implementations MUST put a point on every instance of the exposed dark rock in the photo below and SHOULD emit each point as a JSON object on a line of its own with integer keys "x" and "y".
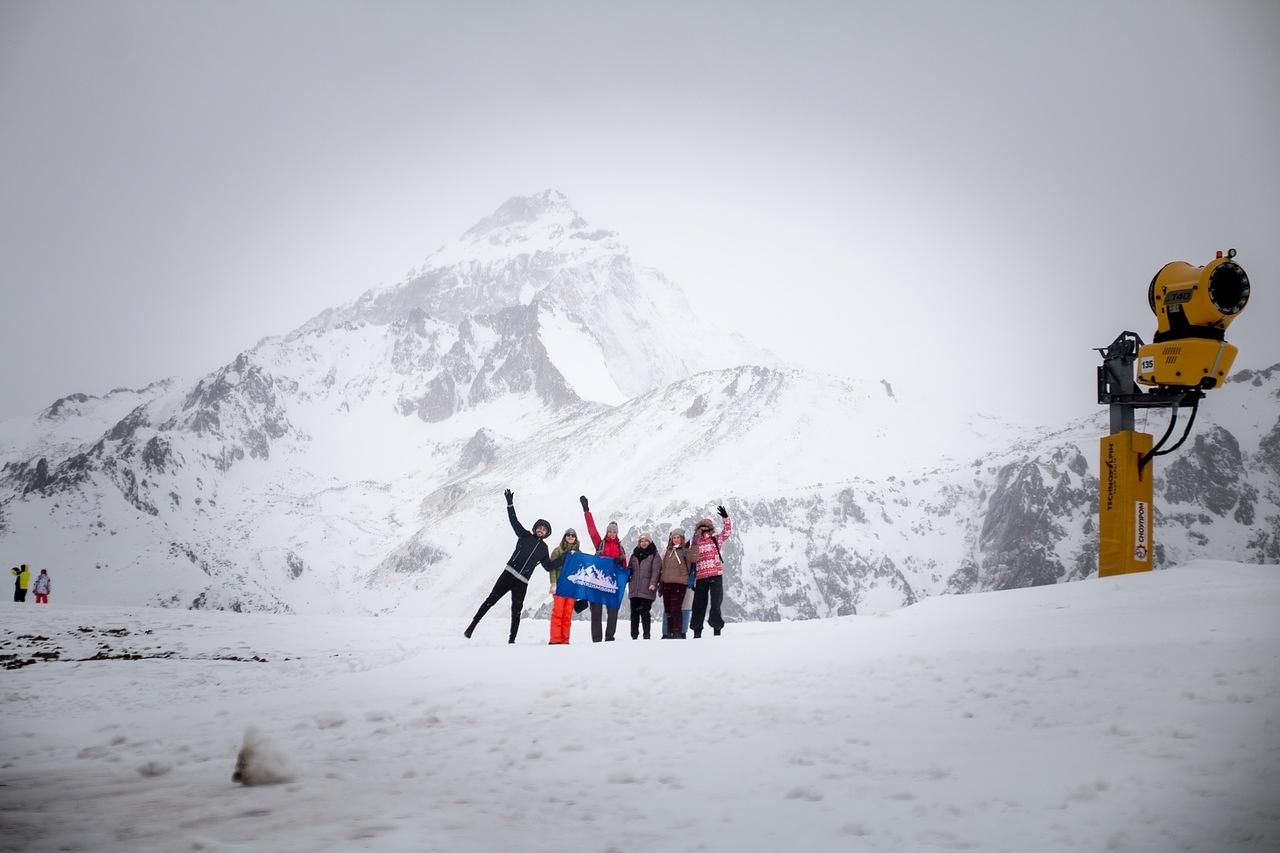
{"x": 1210, "y": 473}
{"x": 1264, "y": 545}
{"x": 128, "y": 425}
{"x": 58, "y": 409}
{"x": 241, "y": 395}
{"x": 1245, "y": 509}
{"x": 295, "y": 564}
{"x": 129, "y": 487}
{"x": 417, "y": 321}
{"x": 479, "y": 451}
{"x": 40, "y": 478}
{"x": 849, "y": 509}
{"x": 156, "y": 454}
{"x": 1254, "y": 377}
{"x": 439, "y": 400}
{"x": 413, "y": 557}
{"x": 1269, "y": 448}
{"x": 227, "y": 457}
{"x": 1018, "y": 531}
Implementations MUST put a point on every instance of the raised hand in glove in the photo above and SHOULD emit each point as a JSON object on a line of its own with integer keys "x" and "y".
{"x": 724, "y": 513}
{"x": 510, "y": 494}
{"x": 582, "y": 499}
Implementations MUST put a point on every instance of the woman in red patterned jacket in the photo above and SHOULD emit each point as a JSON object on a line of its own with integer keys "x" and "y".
{"x": 608, "y": 546}
{"x": 705, "y": 548}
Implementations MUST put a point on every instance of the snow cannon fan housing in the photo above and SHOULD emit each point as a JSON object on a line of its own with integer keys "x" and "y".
{"x": 1193, "y": 307}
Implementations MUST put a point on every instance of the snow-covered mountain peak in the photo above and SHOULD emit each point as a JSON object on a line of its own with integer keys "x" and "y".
{"x": 612, "y": 327}
{"x": 528, "y": 230}
{"x": 508, "y": 258}
{"x": 545, "y": 210}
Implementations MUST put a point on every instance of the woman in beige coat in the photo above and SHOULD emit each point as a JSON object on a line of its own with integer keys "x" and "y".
{"x": 673, "y": 582}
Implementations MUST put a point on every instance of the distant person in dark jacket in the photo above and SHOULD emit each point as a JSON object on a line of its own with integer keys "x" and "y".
{"x": 646, "y": 567}
{"x": 21, "y": 580}
{"x": 42, "y": 587}
{"x": 530, "y": 551}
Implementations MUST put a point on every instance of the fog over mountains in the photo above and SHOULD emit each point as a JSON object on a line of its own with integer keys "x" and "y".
{"x": 357, "y": 463}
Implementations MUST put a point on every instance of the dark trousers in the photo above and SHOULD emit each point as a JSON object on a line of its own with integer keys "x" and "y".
{"x": 640, "y": 616}
{"x": 672, "y": 598}
{"x": 595, "y": 622}
{"x": 19, "y": 594}
{"x": 505, "y": 583}
{"x": 712, "y": 590}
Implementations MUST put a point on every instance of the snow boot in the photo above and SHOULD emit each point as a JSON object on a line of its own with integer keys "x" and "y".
{"x": 475, "y": 620}
{"x": 717, "y": 631}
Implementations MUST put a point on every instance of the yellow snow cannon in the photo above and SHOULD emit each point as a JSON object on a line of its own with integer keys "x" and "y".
{"x": 1193, "y": 307}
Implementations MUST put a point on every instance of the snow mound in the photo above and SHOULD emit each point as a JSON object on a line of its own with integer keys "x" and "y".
{"x": 260, "y": 762}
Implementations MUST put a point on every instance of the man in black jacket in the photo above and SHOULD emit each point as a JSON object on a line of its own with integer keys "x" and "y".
{"x": 530, "y": 551}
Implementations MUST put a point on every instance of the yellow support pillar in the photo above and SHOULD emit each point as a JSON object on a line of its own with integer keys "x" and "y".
{"x": 1126, "y": 527}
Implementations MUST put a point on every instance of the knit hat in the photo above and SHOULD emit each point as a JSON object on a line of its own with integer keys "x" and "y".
{"x": 612, "y": 528}
{"x": 644, "y": 536}
{"x": 571, "y": 532}
{"x": 679, "y": 531}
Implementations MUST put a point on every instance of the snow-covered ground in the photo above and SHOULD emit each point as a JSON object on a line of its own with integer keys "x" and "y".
{"x": 1137, "y": 713}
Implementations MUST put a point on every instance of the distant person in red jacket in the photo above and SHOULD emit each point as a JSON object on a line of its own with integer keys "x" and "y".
{"x": 609, "y": 546}
{"x": 705, "y": 549}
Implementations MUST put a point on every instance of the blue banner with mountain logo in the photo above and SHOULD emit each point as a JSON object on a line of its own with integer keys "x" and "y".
{"x": 596, "y": 579}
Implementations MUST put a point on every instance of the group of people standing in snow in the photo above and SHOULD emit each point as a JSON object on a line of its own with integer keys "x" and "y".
{"x": 688, "y": 575}
{"x": 22, "y": 582}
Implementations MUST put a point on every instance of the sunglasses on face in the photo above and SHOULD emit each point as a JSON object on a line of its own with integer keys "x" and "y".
{"x": 570, "y": 536}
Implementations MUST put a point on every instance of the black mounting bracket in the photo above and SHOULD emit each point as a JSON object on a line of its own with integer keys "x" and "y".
{"x": 1118, "y": 389}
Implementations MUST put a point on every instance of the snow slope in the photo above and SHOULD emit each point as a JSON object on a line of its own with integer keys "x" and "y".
{"x": 1128, "y": 714}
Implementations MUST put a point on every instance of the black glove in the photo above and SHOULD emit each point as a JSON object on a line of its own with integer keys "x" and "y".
{"x": 510, "y": 494}
{"x": 582, "y": 499}
{"x": 724, "y": 513}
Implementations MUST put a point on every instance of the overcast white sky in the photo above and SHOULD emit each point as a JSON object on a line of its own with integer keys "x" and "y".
{"x": 960, "y": 198}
